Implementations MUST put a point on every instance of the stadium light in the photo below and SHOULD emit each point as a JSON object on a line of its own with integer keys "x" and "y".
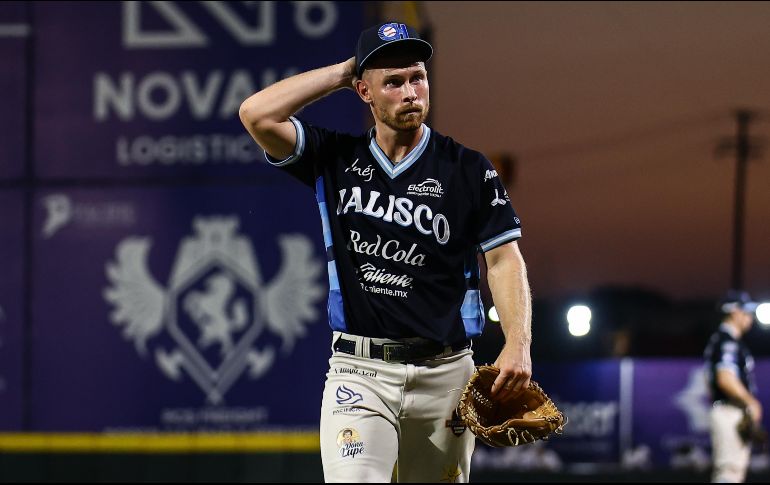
{"x": 493, "y": 316}
{"x": 579, "y": 320}
{"x": 763, "y": 313}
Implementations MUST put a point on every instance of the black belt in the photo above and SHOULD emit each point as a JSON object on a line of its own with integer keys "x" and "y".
{"x": 725, "y": 402}
{"x": 401, "y": 352}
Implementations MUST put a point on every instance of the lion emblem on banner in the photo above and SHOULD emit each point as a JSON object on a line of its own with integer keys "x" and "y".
{"x": 215, "y": 305}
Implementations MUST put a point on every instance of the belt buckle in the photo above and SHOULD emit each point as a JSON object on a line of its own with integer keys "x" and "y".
{"x": 388, "y": 350}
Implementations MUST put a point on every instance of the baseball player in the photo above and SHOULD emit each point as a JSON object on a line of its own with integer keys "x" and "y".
{"x": 730, "y": 372}
{"x": 405, "y": 211}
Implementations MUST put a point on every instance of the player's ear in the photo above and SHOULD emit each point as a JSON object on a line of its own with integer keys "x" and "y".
{"x": 362, "y": 88}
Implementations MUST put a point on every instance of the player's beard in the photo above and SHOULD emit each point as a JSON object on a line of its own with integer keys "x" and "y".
{"x": 404, "y": 119}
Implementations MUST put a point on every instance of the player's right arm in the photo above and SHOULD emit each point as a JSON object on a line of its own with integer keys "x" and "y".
{"x": 729, "y": 383}
{"x": 266, "y": 113}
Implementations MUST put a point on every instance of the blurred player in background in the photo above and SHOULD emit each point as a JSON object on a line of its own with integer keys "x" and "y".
{"x": 730, "y": 372}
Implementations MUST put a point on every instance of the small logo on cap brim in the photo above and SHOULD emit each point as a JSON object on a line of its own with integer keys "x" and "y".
{"x": 393, "y": 31}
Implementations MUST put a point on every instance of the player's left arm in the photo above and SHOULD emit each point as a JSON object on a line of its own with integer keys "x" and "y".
{"x": 507, "y": 277}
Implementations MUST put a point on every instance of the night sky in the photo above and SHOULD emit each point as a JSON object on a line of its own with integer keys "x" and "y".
{"x": 614, "y": 111}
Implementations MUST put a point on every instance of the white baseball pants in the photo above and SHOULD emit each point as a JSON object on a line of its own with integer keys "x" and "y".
{"x": 730, "y": 454}
{"x": 383, "y": 421}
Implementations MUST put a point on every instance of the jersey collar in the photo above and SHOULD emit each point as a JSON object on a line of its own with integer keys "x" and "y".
{"x": 408, "y": 161}
{"x": 729, "y": 330}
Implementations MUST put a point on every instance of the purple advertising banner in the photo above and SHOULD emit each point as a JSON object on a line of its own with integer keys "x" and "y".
{"x": 589, "y": 394}
{"x": 14, "y": 32}
{"x": 11, "y": 310}
{"x": 179, "y": 309}
{"x": 630, "y": 414}
{"x": 671, "y": 407}
{"x": 152, "y": 89}
{"x": 762, "y": 372}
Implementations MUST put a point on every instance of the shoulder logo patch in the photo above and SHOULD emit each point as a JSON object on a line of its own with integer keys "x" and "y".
{"x": 499, "y": 200}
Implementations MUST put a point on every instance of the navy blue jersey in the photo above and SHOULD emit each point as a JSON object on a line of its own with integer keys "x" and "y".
{"x": 402, "y": 240}
{"x": 725, "y": 351}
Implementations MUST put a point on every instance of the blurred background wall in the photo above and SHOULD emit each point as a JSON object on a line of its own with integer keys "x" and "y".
{"x": 615, "y": 111}
{"x": 135, "y": 210}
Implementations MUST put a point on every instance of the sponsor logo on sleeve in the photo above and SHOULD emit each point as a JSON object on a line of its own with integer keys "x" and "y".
{"x": 490, "y": 174}
{"x": 499, "y": 200}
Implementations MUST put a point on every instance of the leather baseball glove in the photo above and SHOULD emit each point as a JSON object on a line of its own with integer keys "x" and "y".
{"x": 527, "y": 417}
{"x": 751, "y": 432}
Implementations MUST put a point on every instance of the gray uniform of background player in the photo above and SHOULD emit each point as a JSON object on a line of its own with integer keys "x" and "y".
{"x": 396, "y": 88}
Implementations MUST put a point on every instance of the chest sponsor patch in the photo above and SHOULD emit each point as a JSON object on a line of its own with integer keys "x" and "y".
{"x": 391, "y": 250}
{"x": 365, "y": 173}
{"x": 395, "y": 210}
{"x": 430, "y": 187}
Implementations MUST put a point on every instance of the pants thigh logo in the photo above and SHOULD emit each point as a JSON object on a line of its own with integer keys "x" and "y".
{"x": 345, "y": 395}
{"x": 349, "y": 443}
{"x": 455, "y": 424}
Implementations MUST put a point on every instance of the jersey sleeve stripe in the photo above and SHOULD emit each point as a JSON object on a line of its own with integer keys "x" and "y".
{"x": 729, "y": 367}
{"x": 299, "y": 146}
{"x": 327, "y": 230}
{"x": 334, "y": 280}
{"x": 335, "y": 307}
{"x": 472, "y": 313}
{"x": 503, "y": 238}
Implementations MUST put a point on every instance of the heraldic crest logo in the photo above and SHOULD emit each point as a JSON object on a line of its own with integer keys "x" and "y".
{"x": 216, "y": 304}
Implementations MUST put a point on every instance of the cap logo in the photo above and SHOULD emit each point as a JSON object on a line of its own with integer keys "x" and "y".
{"x": 393, "y": 31}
